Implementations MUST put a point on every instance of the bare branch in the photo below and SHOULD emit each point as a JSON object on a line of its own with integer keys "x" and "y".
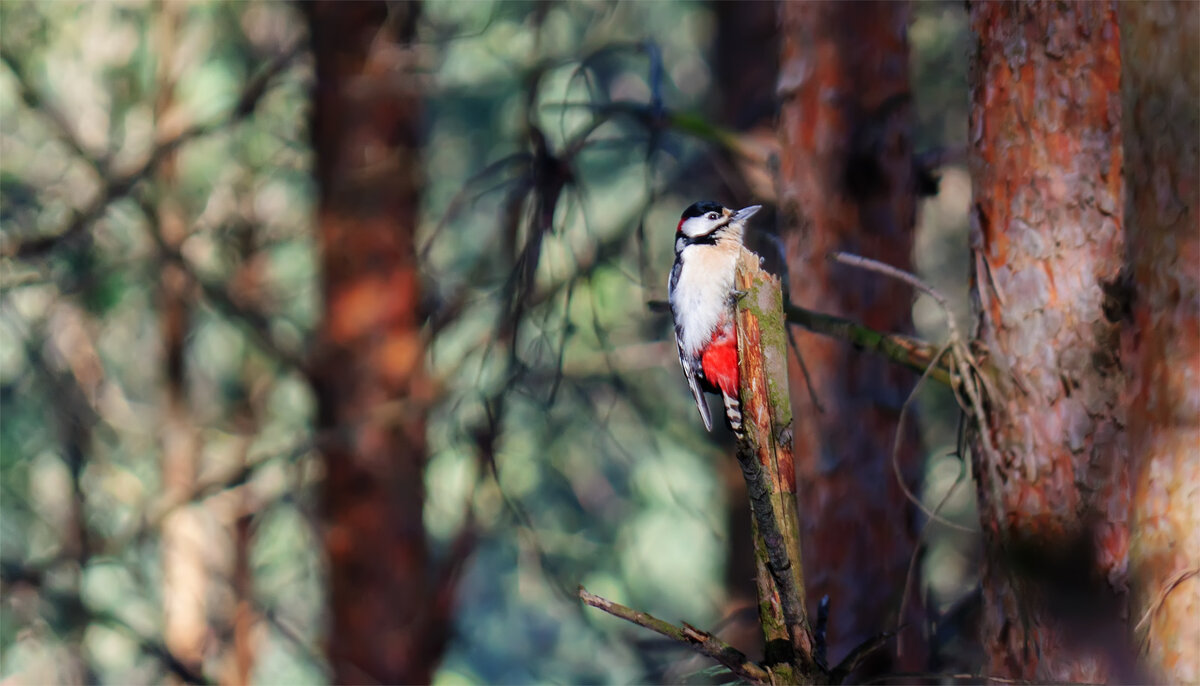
{"x": 15, "y": 572}
{"x": 916, "y": 554}
{"x": 118, "y": 185}
{"x": 1170, "y": 585}
{"x": 971, "y": 378}
{"x": 759, "y": 491}
{"x": 35, "y": 102}
{"x": 888, "y": 270}
{"x": 861, "y": 652}
{"x": 701, "y": 641}
{"x": 896, "y": 442}
{"x": 910, "y": 352}
{"x": 808, "y": 382}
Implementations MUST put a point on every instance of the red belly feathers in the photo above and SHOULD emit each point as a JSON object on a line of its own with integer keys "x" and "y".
{"x": 719, "y": 360}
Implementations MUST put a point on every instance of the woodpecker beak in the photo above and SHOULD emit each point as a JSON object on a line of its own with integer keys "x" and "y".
{"x": 745, "y": 213}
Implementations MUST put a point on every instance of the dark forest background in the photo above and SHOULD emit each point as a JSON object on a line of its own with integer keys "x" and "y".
{"x": 331, "y": 346}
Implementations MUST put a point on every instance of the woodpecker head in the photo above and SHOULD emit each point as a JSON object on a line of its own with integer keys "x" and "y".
{"x": 708, "y": 221}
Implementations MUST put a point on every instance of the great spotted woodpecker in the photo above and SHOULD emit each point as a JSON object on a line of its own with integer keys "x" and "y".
{"x": 708, "y": 240}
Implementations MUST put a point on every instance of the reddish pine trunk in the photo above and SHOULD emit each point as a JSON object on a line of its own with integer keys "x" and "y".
{"x": 387, "y": 622}
{"x": 846, "y": 184}
{"x": 1047, "y": 237}
{"x": 1161, "y": 48}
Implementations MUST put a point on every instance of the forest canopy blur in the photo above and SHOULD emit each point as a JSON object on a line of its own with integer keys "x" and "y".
{"x": 298, "y": 296}
{"x": 152, "y": 150}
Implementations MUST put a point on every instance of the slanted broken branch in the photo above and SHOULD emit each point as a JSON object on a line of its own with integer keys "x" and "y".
{"x": 765, "y": 455}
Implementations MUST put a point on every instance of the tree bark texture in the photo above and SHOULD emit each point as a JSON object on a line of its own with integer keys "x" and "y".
{"x": 387, "y": 616}
{"x": 765, "y": 456}
{"x": 846, "y": 183}
{"x": 1161, "y": 83}
{"x": 1047, "y": 242}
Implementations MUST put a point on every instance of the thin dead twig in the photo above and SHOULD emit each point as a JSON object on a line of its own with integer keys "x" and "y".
{"x": 1170, "y": 585}
{"x": 701, "y": 641}
{"x": 912, "y": 497}
{"x": 933, "y": 515}
{"x": 971, "y": 378}
{"x": 12, "y": 572}
{"x": 808, "y": 382}
{"x": 860, "y": 652}
{"x": 910, "y": 352}
{"x": 35, "y": 102}
{"x": 912, "y": 560}
{"x": 117, "y": 185}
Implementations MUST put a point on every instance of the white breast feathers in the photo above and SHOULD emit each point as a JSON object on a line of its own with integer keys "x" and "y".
{"x": 701, "y": 296}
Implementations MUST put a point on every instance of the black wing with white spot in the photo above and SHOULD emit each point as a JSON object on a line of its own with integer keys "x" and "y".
{"x": 691, "y": 367}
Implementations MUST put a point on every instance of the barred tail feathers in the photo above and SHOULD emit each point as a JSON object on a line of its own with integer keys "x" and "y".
{"x": 733, "y": 414}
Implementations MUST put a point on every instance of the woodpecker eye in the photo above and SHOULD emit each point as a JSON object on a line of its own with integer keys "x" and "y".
{"x": 713, "y": 215}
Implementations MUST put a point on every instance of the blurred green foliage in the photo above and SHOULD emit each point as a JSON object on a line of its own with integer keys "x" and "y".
{"x": 602, "y": 478}
{"x": 80, "y": 330}
{"x": 598, "y": 472}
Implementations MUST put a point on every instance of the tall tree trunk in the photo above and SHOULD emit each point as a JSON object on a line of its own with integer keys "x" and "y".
{"x": 745, "y": 72}
{"x": 185, "y": 540}
{"x": 387, "y": 623}
{"x": 846, "y": 184}
{"x": 1047, "y": 240}
{"x": 73, "y": 374}
{"x": 1161, "y": 50}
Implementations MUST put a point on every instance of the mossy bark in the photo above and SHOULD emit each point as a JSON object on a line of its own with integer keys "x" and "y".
{"x": 765, "y": 454}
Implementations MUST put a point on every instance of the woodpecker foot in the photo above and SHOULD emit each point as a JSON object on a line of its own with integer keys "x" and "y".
{"x": 738, "y": 295}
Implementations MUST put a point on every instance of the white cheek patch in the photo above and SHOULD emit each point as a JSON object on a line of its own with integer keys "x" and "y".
{"x": 697, "y": 226}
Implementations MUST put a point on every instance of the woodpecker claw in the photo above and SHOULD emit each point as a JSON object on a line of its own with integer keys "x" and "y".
{"x": 738, "y": 295}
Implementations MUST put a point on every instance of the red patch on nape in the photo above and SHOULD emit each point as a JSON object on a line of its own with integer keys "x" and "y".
{"x": 679, "y": 226}
{"x": 719, "y": 360}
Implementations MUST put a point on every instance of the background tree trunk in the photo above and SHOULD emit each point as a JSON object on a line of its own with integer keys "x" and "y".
{"x": 387, "y": 621}
{"x": 846, "y": 183}
{"x": 746, "y": 104}
{"x": 1161, "y": 48}
{"x": 186, "y": 545}
{"x": 1047, "y": 240}
{"x": 745, "y": 66}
